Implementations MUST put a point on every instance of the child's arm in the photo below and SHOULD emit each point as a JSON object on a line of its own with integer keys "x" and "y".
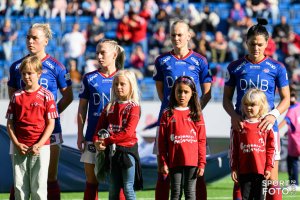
{"x": 163, "y": 145}
{"x": 50, "y": 123}
{"x": 22, "y": 148}
{"x": 201, "y": 147}
{"x": 270, "y": 151}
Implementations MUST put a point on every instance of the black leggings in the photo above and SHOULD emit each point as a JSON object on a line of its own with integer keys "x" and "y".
{"x": 251, "y": 186}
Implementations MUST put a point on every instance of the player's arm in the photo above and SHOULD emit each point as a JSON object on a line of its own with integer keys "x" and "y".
{"x": 11, "y": 91}
{"x": 160, "y": 89}
{"x": 67, "y": 98}
{"x": 236, "y": 120}
{"x": 81, "y": 117}
{"x": 206, "y": 94}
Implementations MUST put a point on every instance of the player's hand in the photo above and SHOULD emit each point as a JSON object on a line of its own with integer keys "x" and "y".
{"x": 267, "y": 122}
{"x": 22, "y": 148}
{"x": 80, "y": 142}
{"x": 234, "y": 176}
{"x": 267, "y": 175}
{"x": 237, "y": 122}
{"x": 200, "y": 172}
{"x": 164, "y": 169}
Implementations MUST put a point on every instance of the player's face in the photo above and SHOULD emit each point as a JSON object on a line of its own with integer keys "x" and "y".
{"x": 183, "y": 94}
{"x": 122, "y": 88}
{"x": 180, "y": 36}
{"x": 30, "y": 76}
{"x": 106, "y": 55}
{"x": 256, "y": 47}
{"x": 36, "y": 41}
{"x": 251, "y": 110}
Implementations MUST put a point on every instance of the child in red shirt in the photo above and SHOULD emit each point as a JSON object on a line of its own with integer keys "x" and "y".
{"x": 30, "y": 122}
{"x": 182, "y": 139}
{"x": 252, "y": 151}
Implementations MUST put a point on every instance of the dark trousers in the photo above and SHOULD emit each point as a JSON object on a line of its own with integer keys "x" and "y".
{"x": 251, "y": 186}
{"x": 292, "y": 165}
{"x": 183, "y": 178}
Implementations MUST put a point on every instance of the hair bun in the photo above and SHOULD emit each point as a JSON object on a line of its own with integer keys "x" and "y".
{"x": 262, "y": 21}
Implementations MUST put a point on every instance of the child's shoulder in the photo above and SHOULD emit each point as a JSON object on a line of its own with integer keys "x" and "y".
{"x": 45, "y": 93}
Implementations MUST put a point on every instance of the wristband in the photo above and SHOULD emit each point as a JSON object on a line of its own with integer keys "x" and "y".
{"x": 275, "y": 113}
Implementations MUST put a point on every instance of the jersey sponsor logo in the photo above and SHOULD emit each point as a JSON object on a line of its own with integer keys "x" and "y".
{"x": 195, "y": 61}
{"x": 165, "y": 60}
{"x": 170, "y": 80}
{"x": 192, "y": 67}
{"x": 180, "y": 62}
{"x": 106, "y": 80}
{"x": 254, "y": 67}
{"x": 271, "y": 65}
{"x": 67, "y": 76}
{"x": 91, "y": 148}
{"x": 92, "y": 77}
{"x": 240, "y": 66}
{"x": 101, "y": 98}
{"x": 261, "y": 84}
{"x": 49, "y": 64}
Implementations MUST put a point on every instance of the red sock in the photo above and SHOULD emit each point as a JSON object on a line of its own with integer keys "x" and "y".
{"x": 122, "y": 196}
{"x": 53, "y": 190}
{"x": 12, "y": 193}
{"x": 274, "y": 193}
{"x": 236, "y": 195}
{"x": 91, "y": 191}
{"x": 162, "y": 187}
{"x": 201, "y": 193}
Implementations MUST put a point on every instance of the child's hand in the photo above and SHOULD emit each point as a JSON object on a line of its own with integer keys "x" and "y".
{"x": 164, "y": 169}
{"x": 234, "y": 176}
{"x": 200, "y": 172}
{"x": 99, "y": 144}
{"x": 22, "y": 148}
{"x": 267, "y": 175}
{"x": 35, "y": 150}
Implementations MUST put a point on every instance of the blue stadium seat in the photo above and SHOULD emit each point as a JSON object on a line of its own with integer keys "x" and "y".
{"x": 147, "y": 89}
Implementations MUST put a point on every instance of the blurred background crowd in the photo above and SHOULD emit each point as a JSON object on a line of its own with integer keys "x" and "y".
{"x": 142, "y": 27}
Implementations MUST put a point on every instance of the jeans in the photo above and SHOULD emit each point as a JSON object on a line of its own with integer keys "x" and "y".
{"x": 122, "y": 178}
{"x": 292, "y": 165}
{"x": 186, "y": 176}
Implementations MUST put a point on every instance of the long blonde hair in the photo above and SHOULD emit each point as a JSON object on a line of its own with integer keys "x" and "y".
{"x": 258, "y": 97}
{"x": 134, "y": 91}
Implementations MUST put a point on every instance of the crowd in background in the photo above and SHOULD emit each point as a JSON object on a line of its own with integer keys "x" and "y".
{"x": 142, "y": 28}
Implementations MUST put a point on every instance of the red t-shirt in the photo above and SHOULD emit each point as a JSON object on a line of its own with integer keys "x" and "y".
{"x": 181, "y": 141}
{"x": 252, "y": 151}
{"x": 121, "y": 121}
{"x": 29, "y": 111}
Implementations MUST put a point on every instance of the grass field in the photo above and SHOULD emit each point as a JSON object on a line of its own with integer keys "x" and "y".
{"x": 218, "y": 190}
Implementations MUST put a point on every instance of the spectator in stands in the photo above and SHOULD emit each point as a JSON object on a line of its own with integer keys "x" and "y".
{"x": 194, "y": 16}
{"x": 14, "y": 7}
{"x": 95, "y": 32}
{"x": 137, "y": 59}
{"x": 255, "y": 8}
{"x": 3, "y": 6}
{"x": 74, "y": 73}
{"x": 177, "y": 13}
{"x": 59, "y": 6}
{"x": 135, "y": 5}
{"x": 273, "y": 10}
{"x": 8, "y": 36}
{"x": 237, "y": 15}
{"x": 281, "y": 32}
{"x": 89, "y": 7}
{"x": 159, "y": 37}
{"x": 152, "y": 7}
{"x": 203, "y": 46}
{"x": 104, "y": 8}
{"x": 44, "y": 9}
{"x": 30, "y": 8}
{"x": 161, "y": 19}
{"x": 74, "y": 8}
{"x": 271, "y": 48}
{"x": 146, "y": 13}
{"x": 293, "y": 45}
{"x": 165, "y": 5}
{"x": 124, "y": 34}
{"x": 218, "y": 48}
{"x": 209, "y": 20}
{"x": 118, "y": 9}
{"x": 74, "y": 44}
{"x": 235, "y": 42}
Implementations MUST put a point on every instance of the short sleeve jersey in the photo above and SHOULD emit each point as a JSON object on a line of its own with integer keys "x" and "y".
{"x": 29, "y": 111}
{"x": 168, "y": 68}
{"x": 265, "y": 75}
{"x": 96, "y": 88}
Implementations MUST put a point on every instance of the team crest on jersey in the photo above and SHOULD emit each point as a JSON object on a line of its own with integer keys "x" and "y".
{"x": 192, "y": 67}
{"x": 44, "y": 71}
{"x": 67, "y": 76}
{"x": 266, "y": 70}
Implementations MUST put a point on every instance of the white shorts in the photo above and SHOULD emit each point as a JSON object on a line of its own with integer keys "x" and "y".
{"x": 155, "y": 146}
{"x": 277, "y": 145}
{"x": 89, "y": 154}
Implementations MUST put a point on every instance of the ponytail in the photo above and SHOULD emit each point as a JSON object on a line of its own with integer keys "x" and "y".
{"x": 120, "y": 60}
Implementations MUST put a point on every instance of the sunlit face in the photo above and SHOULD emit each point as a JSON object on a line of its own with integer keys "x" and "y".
{"x": 106, "y": 55}
{"x": 36, "y": 41}
{"x": 30, "y": 76}
{"x": 251, "y": 110}
{"x": 122, "y": 88}
{"x": 183, "y": 94}
{"x": 256, "y": 47}
{"x": 180, "y": 35}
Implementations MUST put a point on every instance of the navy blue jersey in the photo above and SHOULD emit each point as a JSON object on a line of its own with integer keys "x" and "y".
{"x": 54, "y": 76}
{"x": 168, "y": 68}
{"x": 265, "y": 75}
{"x": 96, "y": 88}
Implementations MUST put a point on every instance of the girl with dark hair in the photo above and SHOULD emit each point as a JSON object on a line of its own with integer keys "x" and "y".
{"x": 256, "y": 70}
{"x": 182, "y": 139}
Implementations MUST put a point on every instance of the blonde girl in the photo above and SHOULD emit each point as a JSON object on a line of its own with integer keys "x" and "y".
{"x": 120, "y": 119}
{"x": 252, "y": 150}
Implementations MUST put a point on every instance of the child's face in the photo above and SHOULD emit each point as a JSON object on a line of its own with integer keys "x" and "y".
{"x": 30, "y": 76}
{"x": 251, "y": 110}
{"x": 122, "y": 88}
{"x": 183, "y": 94}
